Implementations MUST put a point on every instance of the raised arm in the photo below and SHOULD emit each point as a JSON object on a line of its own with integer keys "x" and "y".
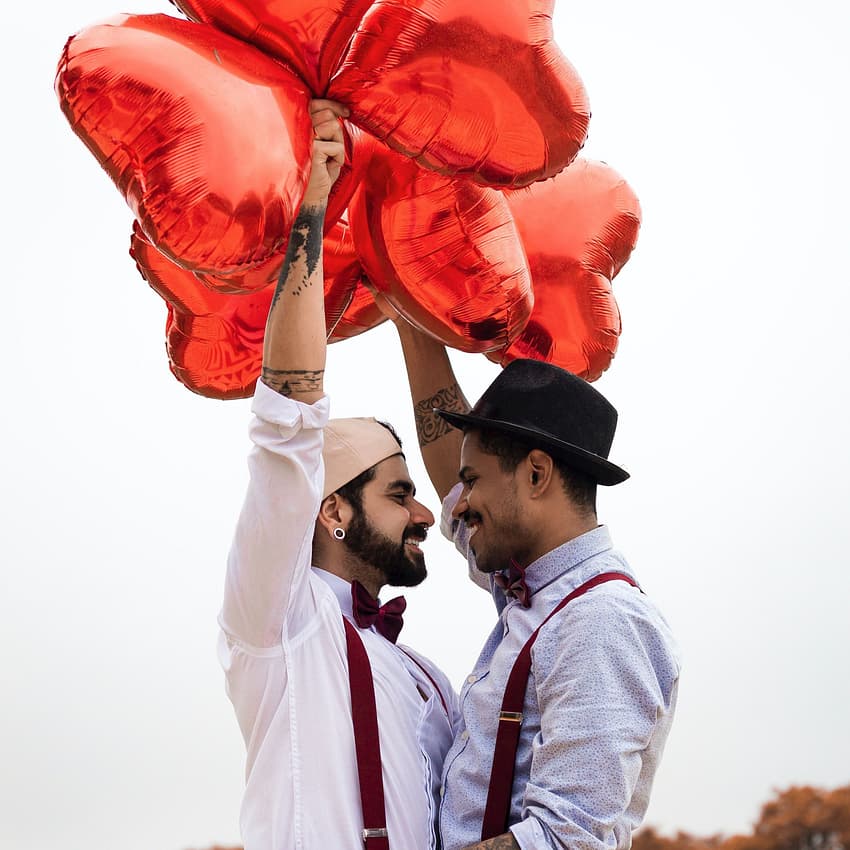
{"x": 268, "y": 567}
{"x": 432, "y": 384}
{"x": 295, "y": 343}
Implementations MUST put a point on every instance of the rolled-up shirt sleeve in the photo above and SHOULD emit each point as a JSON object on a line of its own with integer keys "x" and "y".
{"x": 457, "y": 531}
{"x": 606, "y": 697}
{"x": 269, "y": 559}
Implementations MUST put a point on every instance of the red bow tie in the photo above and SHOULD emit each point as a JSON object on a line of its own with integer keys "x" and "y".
{"x": 386, "y": 619}
{"x": 514, "y": 584}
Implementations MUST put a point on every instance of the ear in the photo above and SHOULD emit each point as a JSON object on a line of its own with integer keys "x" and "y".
{"x": 334, "y": 512}
{"x": 539, "y": 473}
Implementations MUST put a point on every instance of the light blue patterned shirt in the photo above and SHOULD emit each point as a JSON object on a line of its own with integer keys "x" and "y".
{"x": 598, "y": 707}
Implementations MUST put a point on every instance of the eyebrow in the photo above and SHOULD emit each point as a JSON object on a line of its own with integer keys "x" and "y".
{"x": 402, "y": 484}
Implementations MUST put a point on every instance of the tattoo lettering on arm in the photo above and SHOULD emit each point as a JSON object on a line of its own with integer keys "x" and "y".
{"x": 500, "y": 842}
{"x": 287, "y": 382}
{"x": 430, "y": 426}
{"x": 305, "y": 248}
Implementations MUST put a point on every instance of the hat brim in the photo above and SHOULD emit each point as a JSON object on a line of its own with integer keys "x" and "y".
{"x": 601, "y": 469}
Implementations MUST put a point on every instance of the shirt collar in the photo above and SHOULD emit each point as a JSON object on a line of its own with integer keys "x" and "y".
{"x": 341, "y": 589}
{"x": 567, "y": 557}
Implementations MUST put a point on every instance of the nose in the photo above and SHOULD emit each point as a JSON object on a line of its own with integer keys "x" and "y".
{"x": 420, "y": 514}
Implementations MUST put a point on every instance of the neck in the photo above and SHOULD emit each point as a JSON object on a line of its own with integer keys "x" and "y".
{"x": 350, "y": 569}
{"x": 552, "y": 534}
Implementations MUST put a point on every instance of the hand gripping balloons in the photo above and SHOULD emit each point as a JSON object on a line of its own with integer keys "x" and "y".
{"x": 206, "y": 138}
{"x": 578, "y": 231}
{"x": 466, "y": 87}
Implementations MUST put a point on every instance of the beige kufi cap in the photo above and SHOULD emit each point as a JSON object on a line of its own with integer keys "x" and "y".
{"x": 352, "y": 446}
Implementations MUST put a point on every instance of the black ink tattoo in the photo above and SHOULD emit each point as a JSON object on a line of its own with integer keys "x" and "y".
{"x": 500, "y": 842}
{"x": 305, "y": 244}
{"x": 287, "y": 382}
{"x": 430, "y": 426}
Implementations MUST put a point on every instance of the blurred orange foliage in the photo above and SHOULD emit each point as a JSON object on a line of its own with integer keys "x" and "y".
{"x": 801, "y": 818}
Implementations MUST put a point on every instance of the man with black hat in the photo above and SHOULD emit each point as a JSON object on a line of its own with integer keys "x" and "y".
{"x": 345, "y": 730}
{"x": 566, "y": 712}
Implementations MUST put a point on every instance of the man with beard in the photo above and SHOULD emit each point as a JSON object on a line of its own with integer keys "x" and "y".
{"x": 345, "y": 731}
{"x": 566, "y": 712}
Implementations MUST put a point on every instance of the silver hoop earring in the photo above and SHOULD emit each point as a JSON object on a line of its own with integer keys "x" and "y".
{"x": 339, "y": 533}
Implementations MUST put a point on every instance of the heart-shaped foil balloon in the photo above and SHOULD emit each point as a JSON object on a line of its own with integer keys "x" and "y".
{"x": 214, "y": 337}
{"x": 308, "y": 35}
{"x": 466, "y": 87}
{"x": 444, "y": 252}
{"x": 207, "y": 139}
{"x": 578, "y": 231}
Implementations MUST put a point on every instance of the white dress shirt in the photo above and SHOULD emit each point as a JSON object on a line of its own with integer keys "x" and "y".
{"x": 284, "y": 653}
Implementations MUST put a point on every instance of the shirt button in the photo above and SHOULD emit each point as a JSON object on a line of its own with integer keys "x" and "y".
{"x": 464, "y": 735}
{"x": 442, "y": 790}
{"x": 470, "y": 679}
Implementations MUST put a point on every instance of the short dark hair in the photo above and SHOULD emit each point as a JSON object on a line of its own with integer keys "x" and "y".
{"x": 352, "y": 491}
{"x": 510, "y": 451}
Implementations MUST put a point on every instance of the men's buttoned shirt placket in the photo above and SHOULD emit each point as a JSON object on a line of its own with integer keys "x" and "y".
{"x": 598, "y": 707}
{"x": 283, "y": 650}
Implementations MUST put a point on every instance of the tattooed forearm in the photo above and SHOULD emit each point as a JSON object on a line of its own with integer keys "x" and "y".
{"x": 500, "y": 842}
{"x": 305, "y": 249}
{"x": 430, "y": 426}
{"x": 287, "y": 382}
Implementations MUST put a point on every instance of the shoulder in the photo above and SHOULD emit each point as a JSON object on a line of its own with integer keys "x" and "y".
{"x": 612, "y": 625}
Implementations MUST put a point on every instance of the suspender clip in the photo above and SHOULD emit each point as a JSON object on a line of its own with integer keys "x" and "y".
{"x": 374, "y": 833}
{"x": 512, "y": 716}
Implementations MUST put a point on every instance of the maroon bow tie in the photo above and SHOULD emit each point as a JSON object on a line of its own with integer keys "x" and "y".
{"x": 386, "y": 619}
{"x": 514, "y": 583}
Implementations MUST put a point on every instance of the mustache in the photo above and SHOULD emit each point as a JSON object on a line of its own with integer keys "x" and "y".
{"x": 470, "y": 516}
{"x": 417, "y": 533}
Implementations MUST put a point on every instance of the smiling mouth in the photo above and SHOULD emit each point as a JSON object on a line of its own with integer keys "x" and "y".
{"x": 473, "y": 523}
{"x": 414, "y": 543}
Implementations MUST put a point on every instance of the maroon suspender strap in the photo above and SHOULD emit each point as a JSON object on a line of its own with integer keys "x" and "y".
{"x": 367, "y": 744}
{"x": 430, "y": 679}
{"x": 498, "y": 805}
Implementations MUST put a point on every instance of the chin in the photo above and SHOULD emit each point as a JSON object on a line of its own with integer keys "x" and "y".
{"x": 409, "y": 573}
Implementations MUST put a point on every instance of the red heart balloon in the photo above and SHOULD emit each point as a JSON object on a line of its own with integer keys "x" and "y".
{"x": 578, "y": 231}
{"x": 445, "y": 253}
{"x": 361, "y": 314}
{"x": 309, "y": 35}
{"x": 350, "y": 308}
{"x": 214, "y": 341}
{"x": 214, "y": 338}
{"x": 466, "y": 87}
{"x": 206, "y": 138}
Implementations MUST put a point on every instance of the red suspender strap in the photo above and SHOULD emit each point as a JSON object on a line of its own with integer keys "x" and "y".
{"x": 430, "y": 679}
{"x": 498, "y": 805}
{"x": 367, "y": 744}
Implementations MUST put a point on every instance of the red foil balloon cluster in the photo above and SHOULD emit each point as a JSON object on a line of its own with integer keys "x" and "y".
{"x": 462, "y": 200}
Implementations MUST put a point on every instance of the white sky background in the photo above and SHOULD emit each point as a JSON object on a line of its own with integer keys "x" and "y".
{"x": 121, "y": 488}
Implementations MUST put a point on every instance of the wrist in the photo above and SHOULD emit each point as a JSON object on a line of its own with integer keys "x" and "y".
{"x": 314, "y": 204}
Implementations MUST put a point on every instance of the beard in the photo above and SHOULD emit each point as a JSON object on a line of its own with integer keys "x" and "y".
{"x": 399, "y": 567}
{"x": 503, "y": 536}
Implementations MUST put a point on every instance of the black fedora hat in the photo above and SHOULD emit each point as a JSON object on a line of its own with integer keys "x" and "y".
{"x": 551, "y": 409}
